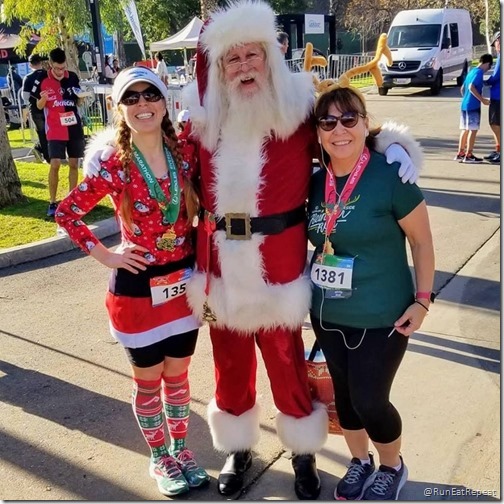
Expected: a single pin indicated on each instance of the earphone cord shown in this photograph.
(338, 330)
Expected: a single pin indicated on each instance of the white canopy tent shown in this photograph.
(187, 38)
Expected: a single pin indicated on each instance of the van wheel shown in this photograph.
(438, 84)
(382, 91)
(462, 77)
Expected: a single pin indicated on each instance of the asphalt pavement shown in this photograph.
(67, 431)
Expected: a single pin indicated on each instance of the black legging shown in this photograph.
(363, 377)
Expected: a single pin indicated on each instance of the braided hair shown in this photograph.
(125, 155)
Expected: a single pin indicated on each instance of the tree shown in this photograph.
(10, 185)
(60, 21)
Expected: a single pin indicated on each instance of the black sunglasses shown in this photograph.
(151, 95)
(348, 120)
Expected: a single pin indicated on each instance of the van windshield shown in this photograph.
(414, 36)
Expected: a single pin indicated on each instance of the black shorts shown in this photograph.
(494, 112)
(179, 346)
(58, 149)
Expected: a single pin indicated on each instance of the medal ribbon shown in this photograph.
(334, 208)
(171, 208)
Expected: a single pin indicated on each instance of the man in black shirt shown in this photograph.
(31, 84)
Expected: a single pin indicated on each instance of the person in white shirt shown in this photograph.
(161, 69)
(110, 73)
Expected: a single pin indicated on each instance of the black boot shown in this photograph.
(231, 477)
(307, 482)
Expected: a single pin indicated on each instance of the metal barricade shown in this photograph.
(337, 64)
(94, 109)
(174, 103)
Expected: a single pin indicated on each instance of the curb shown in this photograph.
(52, 246)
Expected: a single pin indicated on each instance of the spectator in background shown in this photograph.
(31, 85)
(15, 82)
(182, 118)
(110, 73)
(58, 97)
(470, 115)
(115, 65)
(494, 109)
(161, 69)
(283, 42)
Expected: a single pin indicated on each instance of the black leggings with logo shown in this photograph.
(363, 377)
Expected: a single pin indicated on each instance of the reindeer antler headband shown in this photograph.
(382, 49)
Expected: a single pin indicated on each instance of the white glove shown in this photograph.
(92, 162)
(408, 172)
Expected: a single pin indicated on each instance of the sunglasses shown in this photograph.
(348, 120)
(151, 95)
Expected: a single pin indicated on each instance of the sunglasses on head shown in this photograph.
(151, 95)
(348, 120)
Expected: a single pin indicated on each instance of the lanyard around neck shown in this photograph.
(171, 208)
(333, 207)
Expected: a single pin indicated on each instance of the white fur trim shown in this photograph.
(231, 433)
(392, 132)
(306, 434)
(239, 23)
(250, 306)
(99, 142)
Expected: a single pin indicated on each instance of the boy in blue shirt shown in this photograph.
(494, 110)
(470, 110)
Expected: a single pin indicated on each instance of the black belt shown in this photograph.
(240, 226)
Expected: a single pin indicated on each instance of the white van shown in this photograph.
(429, 47)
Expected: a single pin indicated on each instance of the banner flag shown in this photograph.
(130, 10)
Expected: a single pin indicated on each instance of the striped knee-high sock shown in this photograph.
(148, 410)
(176, 399)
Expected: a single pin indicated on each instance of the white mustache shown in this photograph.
(239, 79)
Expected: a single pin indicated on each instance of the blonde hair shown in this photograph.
(125, 154)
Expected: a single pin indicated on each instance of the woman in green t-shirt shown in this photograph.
(364, 305)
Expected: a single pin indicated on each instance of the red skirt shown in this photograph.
(133, 321)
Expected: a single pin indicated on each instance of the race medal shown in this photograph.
(328, 248)
(167, 287)
(333, 274)
(208, 314)
(168, 241)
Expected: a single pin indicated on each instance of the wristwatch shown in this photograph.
(426, 295)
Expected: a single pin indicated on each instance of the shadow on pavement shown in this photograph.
(462, 201)
(482, 358)
(59, 472)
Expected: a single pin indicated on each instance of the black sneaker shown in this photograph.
(472, 159)
(492, 155)
(356, 480)
(495, 159)
(387, 483)
(51, 211)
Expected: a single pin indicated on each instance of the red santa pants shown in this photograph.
(235, 370)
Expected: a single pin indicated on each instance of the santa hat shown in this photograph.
(242, 22)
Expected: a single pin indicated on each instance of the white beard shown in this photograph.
(251, 115)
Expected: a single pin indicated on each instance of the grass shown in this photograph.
(16, 138)
(26, 222)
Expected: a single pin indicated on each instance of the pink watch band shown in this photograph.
(423, 295)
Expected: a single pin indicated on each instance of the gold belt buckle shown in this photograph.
(238, 216)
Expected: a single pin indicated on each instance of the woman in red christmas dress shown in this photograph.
(149, 182)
